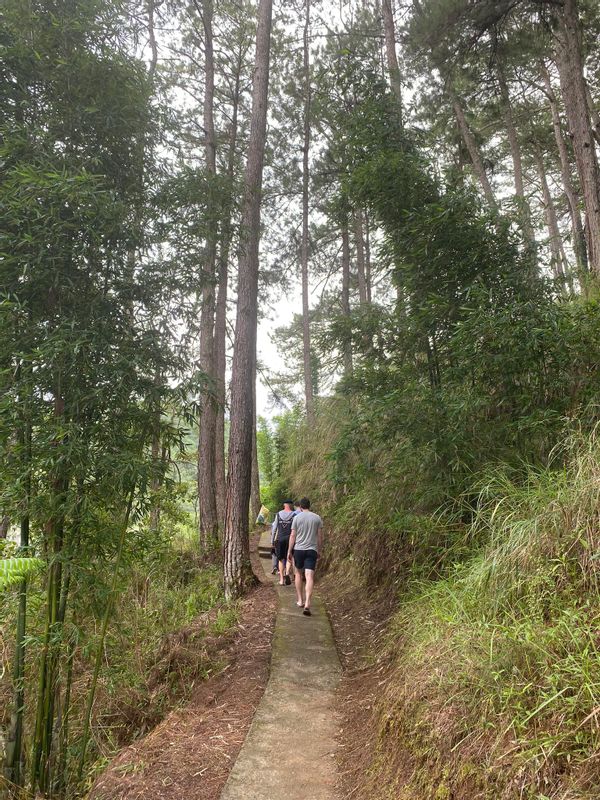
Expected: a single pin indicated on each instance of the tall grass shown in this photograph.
(497, 664)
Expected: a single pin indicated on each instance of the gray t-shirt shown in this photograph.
(307, 526)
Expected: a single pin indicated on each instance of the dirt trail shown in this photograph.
(289, 752)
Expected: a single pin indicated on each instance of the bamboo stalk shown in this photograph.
(107, 614)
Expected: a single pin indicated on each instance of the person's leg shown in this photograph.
(298, 585)
(281, 572)
(310, 582)
(274, 562)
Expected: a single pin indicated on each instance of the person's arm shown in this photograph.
(274, 528)
(292, 538)
(320, 540)
(291, 544)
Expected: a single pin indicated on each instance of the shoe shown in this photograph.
(274, 571)
(306, 612)
(288, 580)
(300, 605)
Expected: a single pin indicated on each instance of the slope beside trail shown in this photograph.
(289, 752)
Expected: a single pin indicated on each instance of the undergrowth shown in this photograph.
(492, 657)
(168, 631)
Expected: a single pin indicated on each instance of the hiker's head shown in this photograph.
(288, 505)
(305, 504)
(296, 503)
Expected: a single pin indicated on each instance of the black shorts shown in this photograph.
(282, 547)
(305, 559)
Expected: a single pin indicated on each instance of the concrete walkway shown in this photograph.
(289, 751)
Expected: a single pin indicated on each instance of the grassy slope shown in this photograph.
(492, 685)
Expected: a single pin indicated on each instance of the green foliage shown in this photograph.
(14, 570)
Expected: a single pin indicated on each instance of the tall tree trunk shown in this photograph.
(236, 558)
(4, 526)
(220, 370)
(559, 267)
(515, 151)
(390, 50)
(368, 257)
(360, 258)
(473, 150)
(157, 461)
(221, 308)
(594, 115)
(255, 503)
(150, 7)
(207, 500)
(308, 383)
(569, 60)
(348, 367)
(579, 241)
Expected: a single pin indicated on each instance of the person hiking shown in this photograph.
(263, 519)
(274, 559)
(281, 531)
(306, 543)
(292, 571)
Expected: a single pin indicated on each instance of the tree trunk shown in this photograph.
(221, 309)
(557, 262)
(368, 257)
(515, 150)
(473, 150)
(4, 526)
(54, 535)
(14, 744)
(579, 242)
(390, 49)
(360, 257)
(236, 557)
(594, 115)
(157, 461)
(308, 383)
(207, 501)
(152, 39)
(348, 367)
(255, 502)
(569, 61)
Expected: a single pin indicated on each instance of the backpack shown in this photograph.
(284, 528)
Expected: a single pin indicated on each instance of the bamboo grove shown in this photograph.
(424, 173)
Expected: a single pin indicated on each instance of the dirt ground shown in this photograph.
(190, 753)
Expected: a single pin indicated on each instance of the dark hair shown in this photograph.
(305, 503)
(288, 502)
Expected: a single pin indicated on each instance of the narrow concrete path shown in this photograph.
(289, 751)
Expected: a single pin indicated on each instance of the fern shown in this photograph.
(13, 570)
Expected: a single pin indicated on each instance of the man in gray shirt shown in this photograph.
(307, 542)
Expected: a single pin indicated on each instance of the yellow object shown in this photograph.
(263, 516)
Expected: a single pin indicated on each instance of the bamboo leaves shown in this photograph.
(14, 570)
